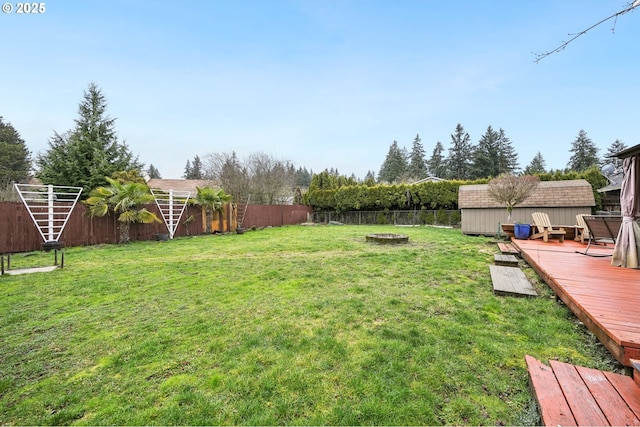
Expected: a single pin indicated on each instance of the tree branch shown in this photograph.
(630, 7)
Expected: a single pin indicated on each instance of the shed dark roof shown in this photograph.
(180, 184)
(556, 194)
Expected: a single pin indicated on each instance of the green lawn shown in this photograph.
(292, 325)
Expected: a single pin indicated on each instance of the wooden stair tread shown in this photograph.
(506, 260)
(508, 248)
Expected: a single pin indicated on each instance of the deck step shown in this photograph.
(510, 281)
(506, 260)
(575, 395)
(508, 248)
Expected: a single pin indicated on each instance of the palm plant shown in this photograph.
(124, 200)
(212, 201)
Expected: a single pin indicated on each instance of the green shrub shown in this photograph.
(426, 217)
(455, 218)
(442, 217)
(381, 218)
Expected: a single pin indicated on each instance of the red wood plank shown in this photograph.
(608, 399)
(628, 390)
(552, 404)
(584, 407)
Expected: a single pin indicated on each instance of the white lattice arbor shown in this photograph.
(49, 206)
(171, 204)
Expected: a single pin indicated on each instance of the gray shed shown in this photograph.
(561, 200)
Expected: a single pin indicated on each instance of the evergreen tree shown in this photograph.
(370, 179)
(153, 172)
(302, 178)
(486, 158)
(15, 158)
(394, 167)
(537, 165)
(437, 164)
(460, 154)
(507, 155)
(585, 153)
(196, 168)
(417, 168)
(609, 158)
(85, 155)
(193, 170)
(187, 170)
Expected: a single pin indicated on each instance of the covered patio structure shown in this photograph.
(627, 249)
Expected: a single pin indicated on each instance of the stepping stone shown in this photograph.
(506, 260)
(510, 281)
(30, 270)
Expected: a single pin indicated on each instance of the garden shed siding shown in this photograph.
(561, 200)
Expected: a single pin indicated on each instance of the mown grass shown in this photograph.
(294, 325)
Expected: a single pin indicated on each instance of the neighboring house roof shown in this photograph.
(555, 194)
(429, 179)
(615, 183)
(632, 151)
(180, 184)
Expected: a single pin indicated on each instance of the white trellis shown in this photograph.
(49, 206)
(171, 204)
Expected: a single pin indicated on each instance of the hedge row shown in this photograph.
(427, 195)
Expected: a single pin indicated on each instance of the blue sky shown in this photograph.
(324, 83)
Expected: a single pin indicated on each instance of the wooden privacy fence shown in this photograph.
(275, 215)
(18, 233)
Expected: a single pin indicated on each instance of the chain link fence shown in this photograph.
(413, 217)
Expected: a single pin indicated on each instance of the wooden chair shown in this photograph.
(545, 229)
(582, 231)
(602, 229)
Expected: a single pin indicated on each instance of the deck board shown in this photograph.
(603, 297)
(576, 395)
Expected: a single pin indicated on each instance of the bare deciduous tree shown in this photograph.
(511, 190)
(267, 179)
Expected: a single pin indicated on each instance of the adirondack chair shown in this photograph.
(602, 229)
(582, 231)
(545, 229)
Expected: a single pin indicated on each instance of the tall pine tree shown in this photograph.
(153, 172)
(193, 170)
(394, 167)
(437, 163)
(507, 155)
(417, 168)
(460, 154)
(486, 159)
(86, 154)
(585, 153)
(615, 147)
(537, 165)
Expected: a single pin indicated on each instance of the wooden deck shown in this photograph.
(605, 298)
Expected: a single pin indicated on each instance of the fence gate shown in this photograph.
(171, 204)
